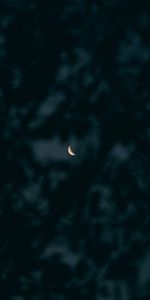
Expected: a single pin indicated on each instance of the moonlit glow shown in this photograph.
(70, 151)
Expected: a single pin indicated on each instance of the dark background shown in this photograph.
(74, 72)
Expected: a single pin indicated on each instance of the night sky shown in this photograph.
(74, 73)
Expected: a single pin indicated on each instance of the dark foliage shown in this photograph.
(74, 72)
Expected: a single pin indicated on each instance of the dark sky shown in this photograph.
(74, 73)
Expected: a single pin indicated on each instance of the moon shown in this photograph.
(70, 151)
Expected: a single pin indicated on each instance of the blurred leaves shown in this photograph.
(74, 73)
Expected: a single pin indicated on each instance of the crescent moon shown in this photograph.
(70, 151)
